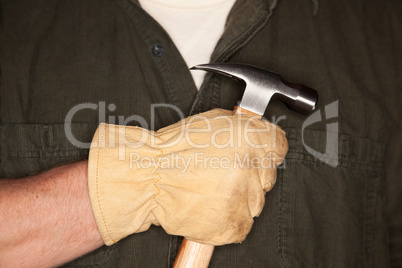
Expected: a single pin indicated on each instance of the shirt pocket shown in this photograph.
(27, 149)
(326, 214)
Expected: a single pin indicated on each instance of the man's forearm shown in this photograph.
(47, 220)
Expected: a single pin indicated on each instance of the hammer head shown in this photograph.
(263, 85)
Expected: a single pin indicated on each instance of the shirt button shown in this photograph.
(157, 51)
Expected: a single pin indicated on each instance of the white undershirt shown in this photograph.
(195, 26)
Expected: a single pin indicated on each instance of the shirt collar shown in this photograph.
(245, 19)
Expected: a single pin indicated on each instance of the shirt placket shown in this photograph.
(244, 21)
(172, 69)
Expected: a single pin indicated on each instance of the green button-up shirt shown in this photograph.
(339, 206)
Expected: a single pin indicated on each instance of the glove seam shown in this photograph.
(158, 134)
(157, 173)
(219, 117)
(97, 190)
(275, 156)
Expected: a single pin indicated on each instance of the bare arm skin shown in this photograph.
(47, 220)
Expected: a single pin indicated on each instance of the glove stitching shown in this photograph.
(97, 189)
(218, 117)
(156, 134)
(275, 154)
(157, 173)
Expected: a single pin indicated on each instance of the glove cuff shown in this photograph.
(121, 196)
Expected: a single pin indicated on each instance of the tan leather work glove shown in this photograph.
(203, 178)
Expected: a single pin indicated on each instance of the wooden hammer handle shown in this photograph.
(193, 255)
(197, 255)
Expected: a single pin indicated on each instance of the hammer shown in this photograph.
(261, 86)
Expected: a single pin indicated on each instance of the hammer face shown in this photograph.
(262, 85)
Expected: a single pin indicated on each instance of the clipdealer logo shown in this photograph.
(330, 156)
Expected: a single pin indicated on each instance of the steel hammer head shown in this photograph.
(263, 85)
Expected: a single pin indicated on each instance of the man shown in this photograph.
(59, 54)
